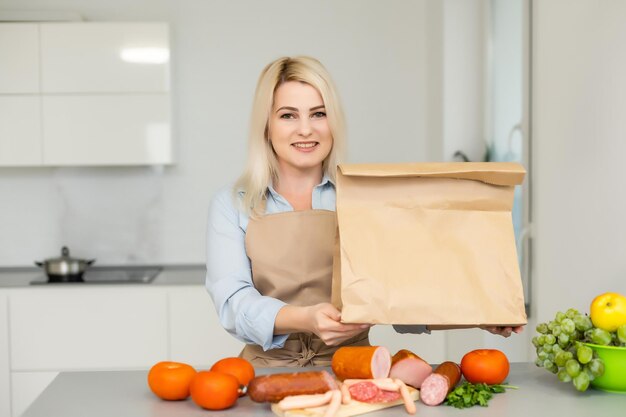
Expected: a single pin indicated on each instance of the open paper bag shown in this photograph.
(428, 243)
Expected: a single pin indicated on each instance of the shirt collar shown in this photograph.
(325, 182)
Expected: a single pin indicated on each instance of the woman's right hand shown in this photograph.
(325, 322)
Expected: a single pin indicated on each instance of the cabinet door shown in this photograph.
(19, 58)
(196, 334)
(5, 381)
(106, 130)
(60, 329)
(20, 130)
(99, 57)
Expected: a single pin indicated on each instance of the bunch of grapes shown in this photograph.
(560, 347)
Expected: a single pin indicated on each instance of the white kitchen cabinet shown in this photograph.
(196, 335)
(103, 57)
(20, 130)
(19, 58)
(65, 328)
(5, 377)
(26, 388)
(106, 129)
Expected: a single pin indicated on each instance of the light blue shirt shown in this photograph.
(242, 310)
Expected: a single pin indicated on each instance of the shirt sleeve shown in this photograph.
(241, 309)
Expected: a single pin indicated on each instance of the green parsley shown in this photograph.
(468, 394)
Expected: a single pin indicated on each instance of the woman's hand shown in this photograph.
(325, 321)
(503, 331)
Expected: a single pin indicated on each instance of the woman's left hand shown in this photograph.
(503, 331)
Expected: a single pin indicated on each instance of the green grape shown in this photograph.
(621, 333)
(560, 316)
(535, 341)
(563, 376)
(572, 367)
(581, 381)
(583, 323)
(568, 326)
(557, 330)
(588, 372)
(576, 335)
(547, 348)
(596, 367)
(571, 313)
(569, 355)
(542, 328)
(556, 349)
(584, 354)
(549, 339)
(563, 340)
(541, 340)
(600, 337)
(542, 354)
(552, 324)
(560, 358)
(548, 364)
(539, 362)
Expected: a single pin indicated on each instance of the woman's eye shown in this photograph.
(287, 116)
(319, 114)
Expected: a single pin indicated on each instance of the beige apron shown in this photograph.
(291, 255)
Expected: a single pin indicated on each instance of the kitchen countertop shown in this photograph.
(125, 393)
(170, 275)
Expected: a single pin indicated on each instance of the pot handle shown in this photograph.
(89, 262)
(40, 264)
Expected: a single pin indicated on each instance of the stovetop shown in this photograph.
(110, 275)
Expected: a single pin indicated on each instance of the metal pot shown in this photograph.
(65, 268)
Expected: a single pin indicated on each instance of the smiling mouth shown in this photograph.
(304, 145)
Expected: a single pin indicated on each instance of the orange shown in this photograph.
(237, 367)
(171, 380)
(214, 390)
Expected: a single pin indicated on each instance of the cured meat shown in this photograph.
(273, 388)
(438, 385)
(361, 362)
(409, 368)
(368, 392)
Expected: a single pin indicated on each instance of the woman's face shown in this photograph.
(298, 127)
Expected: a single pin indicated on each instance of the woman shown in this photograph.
(270, 244)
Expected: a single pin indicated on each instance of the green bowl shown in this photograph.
(614, 377)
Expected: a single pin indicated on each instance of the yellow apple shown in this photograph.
(608, 311)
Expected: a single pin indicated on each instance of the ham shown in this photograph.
(409, 368)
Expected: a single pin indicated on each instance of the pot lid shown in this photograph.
(65, 257)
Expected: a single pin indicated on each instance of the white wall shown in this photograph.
(378, 52)
(579, 143)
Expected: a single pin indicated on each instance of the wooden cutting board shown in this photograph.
(353, 408)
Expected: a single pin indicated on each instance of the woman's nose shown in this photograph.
(304, 127)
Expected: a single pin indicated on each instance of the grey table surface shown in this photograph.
(125, 393)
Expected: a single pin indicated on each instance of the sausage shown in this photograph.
(438, 385)
(361, 362)
(273, 388)
(409, 404)
(305, 401)
(335, 403)
(409, 368)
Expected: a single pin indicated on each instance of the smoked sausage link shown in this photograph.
(438, 385)
(273, 388)
(361, 362)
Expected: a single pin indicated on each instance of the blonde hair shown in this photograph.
(262, 165)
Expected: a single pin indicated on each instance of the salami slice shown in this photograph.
(368, 392)
(363, 391)
(434, 389)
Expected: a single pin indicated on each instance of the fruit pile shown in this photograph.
(561, 347)
(216, 389)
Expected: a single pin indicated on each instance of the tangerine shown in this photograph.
(214, 390)
(237, 367)
(171, 380)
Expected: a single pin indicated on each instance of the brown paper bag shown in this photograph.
(428, 243)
